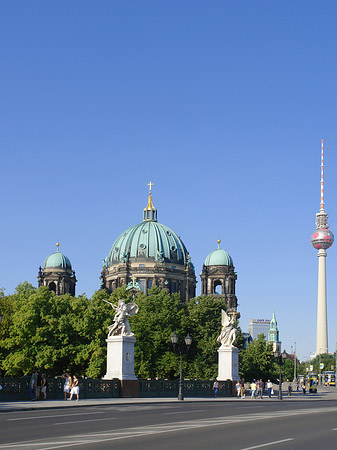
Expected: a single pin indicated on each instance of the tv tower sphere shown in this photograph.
(322, 238)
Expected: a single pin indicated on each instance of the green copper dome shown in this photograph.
(57, 261)
(148, 240)
(218, 258)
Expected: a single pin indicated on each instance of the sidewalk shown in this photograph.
(324, 393)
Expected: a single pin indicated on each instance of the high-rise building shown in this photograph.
(322, 239)
(258, 326)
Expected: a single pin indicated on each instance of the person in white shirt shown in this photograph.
(269, 388)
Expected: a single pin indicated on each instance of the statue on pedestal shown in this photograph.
(228, 333)
(120, 325)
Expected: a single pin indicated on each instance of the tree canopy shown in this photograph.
(58, 333)
(257, 361)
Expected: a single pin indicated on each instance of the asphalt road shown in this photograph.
(237, 425)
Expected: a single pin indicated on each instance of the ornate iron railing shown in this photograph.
(191, 388)
(16, 389)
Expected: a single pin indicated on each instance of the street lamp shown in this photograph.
(280, 357)
(181, 349)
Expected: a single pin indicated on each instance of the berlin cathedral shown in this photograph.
(150, 254)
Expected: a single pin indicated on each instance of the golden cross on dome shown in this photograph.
(150, 184)
(57, 245)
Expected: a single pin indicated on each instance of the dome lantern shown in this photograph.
(150, 212)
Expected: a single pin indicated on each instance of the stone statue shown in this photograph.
(120, 325)
(125, 257)
(229, 332)
(160, 256)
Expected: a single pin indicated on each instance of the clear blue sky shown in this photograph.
(221, 104)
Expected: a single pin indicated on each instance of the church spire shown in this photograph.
(273, 334)
(150, 212)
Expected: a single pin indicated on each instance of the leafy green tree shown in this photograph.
(53, 333)
(160, 314)
(288, 370)
(326, 359)
(257, 361)
(204, 324)
(57, 333)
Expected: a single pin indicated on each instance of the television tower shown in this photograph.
(322, 239)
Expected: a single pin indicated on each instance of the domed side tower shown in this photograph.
(57, 274)
(150, 254)
(322, 239)
(218, 278)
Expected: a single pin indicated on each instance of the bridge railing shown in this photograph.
(16, 389)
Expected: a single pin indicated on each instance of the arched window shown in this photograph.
(217, 287)
(52, 286)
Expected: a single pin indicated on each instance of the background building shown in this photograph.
(273, 334)
(258, 326)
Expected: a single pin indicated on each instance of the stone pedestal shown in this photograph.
(228, 363)
(120, 358)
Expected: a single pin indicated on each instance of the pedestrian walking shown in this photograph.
(289, 390)
(238, 389)
(75, 390)
(269, 388)
(304, 388)
(32, 385)
(260, 385)
(253, 387)
(243, 388)
(38, 385)
(216, 388)
(67, 384)
(44, 386)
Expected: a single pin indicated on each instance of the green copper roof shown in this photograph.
(149, 239)
(273, 322)
(218, 258)
(58, 261)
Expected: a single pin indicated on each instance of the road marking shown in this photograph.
(186, 412)
(134, 408)
(148, 430)
(81, 421)
(268, 443)
(57, 415)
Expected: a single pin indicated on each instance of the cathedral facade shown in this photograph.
(150, 254)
